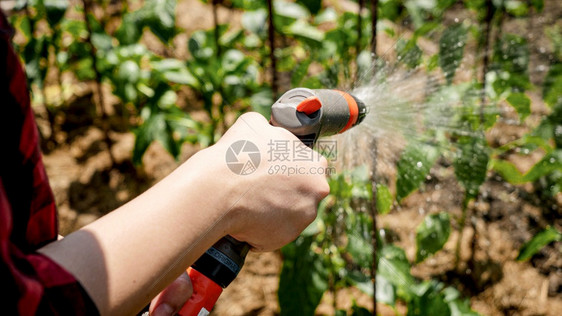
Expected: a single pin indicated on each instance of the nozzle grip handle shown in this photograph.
(205, 295)
(212, 272)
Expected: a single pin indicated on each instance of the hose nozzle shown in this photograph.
(310, 114)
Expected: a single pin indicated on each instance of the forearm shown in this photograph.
(128, 256)
(125, 258)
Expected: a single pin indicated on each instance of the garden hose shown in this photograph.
(307, 113)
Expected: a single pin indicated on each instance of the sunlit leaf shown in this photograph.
(255, 21)
(384, 199)
(395, 268)
(540, 240)
(304, 30)
(414, 165)
(408, 52)
(549, 163)
(508, 171)
(432, 234)
(471, 163)
(552, 86)
(290, 10)
(451, 50)
(521, 103)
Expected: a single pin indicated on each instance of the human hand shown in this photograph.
(173, 297)
(270, 209)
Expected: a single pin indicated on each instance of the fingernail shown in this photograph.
(163, 310)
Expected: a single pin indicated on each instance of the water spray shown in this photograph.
(307, 113)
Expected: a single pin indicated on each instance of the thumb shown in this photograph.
(172, 298)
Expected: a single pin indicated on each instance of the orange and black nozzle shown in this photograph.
(307, 113)
(310, 114)
(213, 272)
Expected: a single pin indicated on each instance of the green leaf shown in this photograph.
(428, 301)
(313, 6)
(290, 10)
(255, 21)
(55, 10)
(360, 311)
(395, 268)
(408, 52)
(516, 8)
(384, 199)
(508, 171)
(451, 50)
(163, 19)
(471, 163)
(511, 61)
(24, 25)
(130, 30)
(156, 126)
(461, 308)
(201, 45)
(358, 231)
(538, 4)
(157, 15)
(540, 240)
(300, 72)
(386, 292)
(431, 235)
(129, 71)
(414, 165)
(549, 163)
(425, 28)
(175, 70)
(304, 30)
(303, 278)
(552, 87)
(521, 103)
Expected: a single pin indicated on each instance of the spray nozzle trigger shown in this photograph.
(309, 105)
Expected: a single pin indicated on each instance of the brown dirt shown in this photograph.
(87, 186)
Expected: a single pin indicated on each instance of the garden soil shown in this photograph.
(88, 185)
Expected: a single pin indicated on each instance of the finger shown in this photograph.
(173, 297)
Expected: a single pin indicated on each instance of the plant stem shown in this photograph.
(486, 60)
(359, 37)
(101, 101)
(374, 20)
(271, 35)
(359, 27)
(374, 233)
(216, 30)
(462, 221)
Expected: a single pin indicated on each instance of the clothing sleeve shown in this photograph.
(31, 283)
